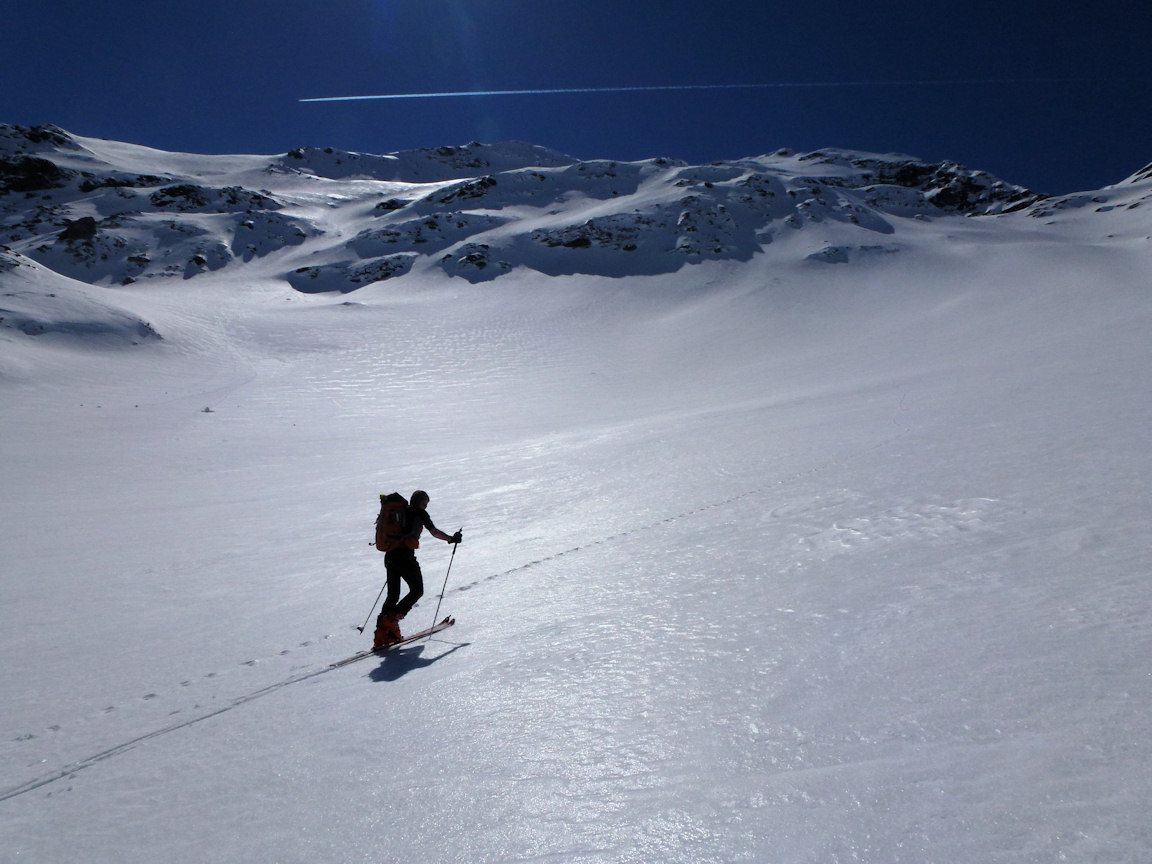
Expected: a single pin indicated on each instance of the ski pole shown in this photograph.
(373, 609)
(444, 587)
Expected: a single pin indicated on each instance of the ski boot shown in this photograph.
(387, 630)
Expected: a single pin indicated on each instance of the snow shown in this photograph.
(767, 557)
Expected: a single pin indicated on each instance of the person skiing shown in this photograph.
(402, 566)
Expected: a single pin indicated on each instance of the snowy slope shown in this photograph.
(36, 301)
(823, 547)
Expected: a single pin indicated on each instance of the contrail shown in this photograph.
(452, 94)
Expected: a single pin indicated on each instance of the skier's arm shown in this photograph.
(440, 535)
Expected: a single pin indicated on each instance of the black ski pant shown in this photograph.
(402, 566)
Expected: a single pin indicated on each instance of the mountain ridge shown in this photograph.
(326, 220)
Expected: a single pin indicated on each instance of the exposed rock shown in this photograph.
(80, 229)
(620, 231)
(344, 277)
(91, 182)
(188, 198)
(391, 205)
(426, 235)
(474, 262)
(31, 174)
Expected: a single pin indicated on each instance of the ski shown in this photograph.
(383, 649)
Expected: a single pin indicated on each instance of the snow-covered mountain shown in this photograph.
(804, 500)
(326, 220)
(330, 221)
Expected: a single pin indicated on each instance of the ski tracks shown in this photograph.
(686, 515)
(199, 713)
(75, 767)
(211, 705)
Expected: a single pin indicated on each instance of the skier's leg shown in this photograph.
(387, 626)
(415, 581)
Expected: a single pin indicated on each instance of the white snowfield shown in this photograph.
(816, 534)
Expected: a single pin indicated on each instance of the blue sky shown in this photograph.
(1056, 96)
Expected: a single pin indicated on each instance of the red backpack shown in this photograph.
(390, 522)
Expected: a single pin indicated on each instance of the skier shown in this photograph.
(401, 565)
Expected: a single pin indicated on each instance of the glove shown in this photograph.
(458, 537)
